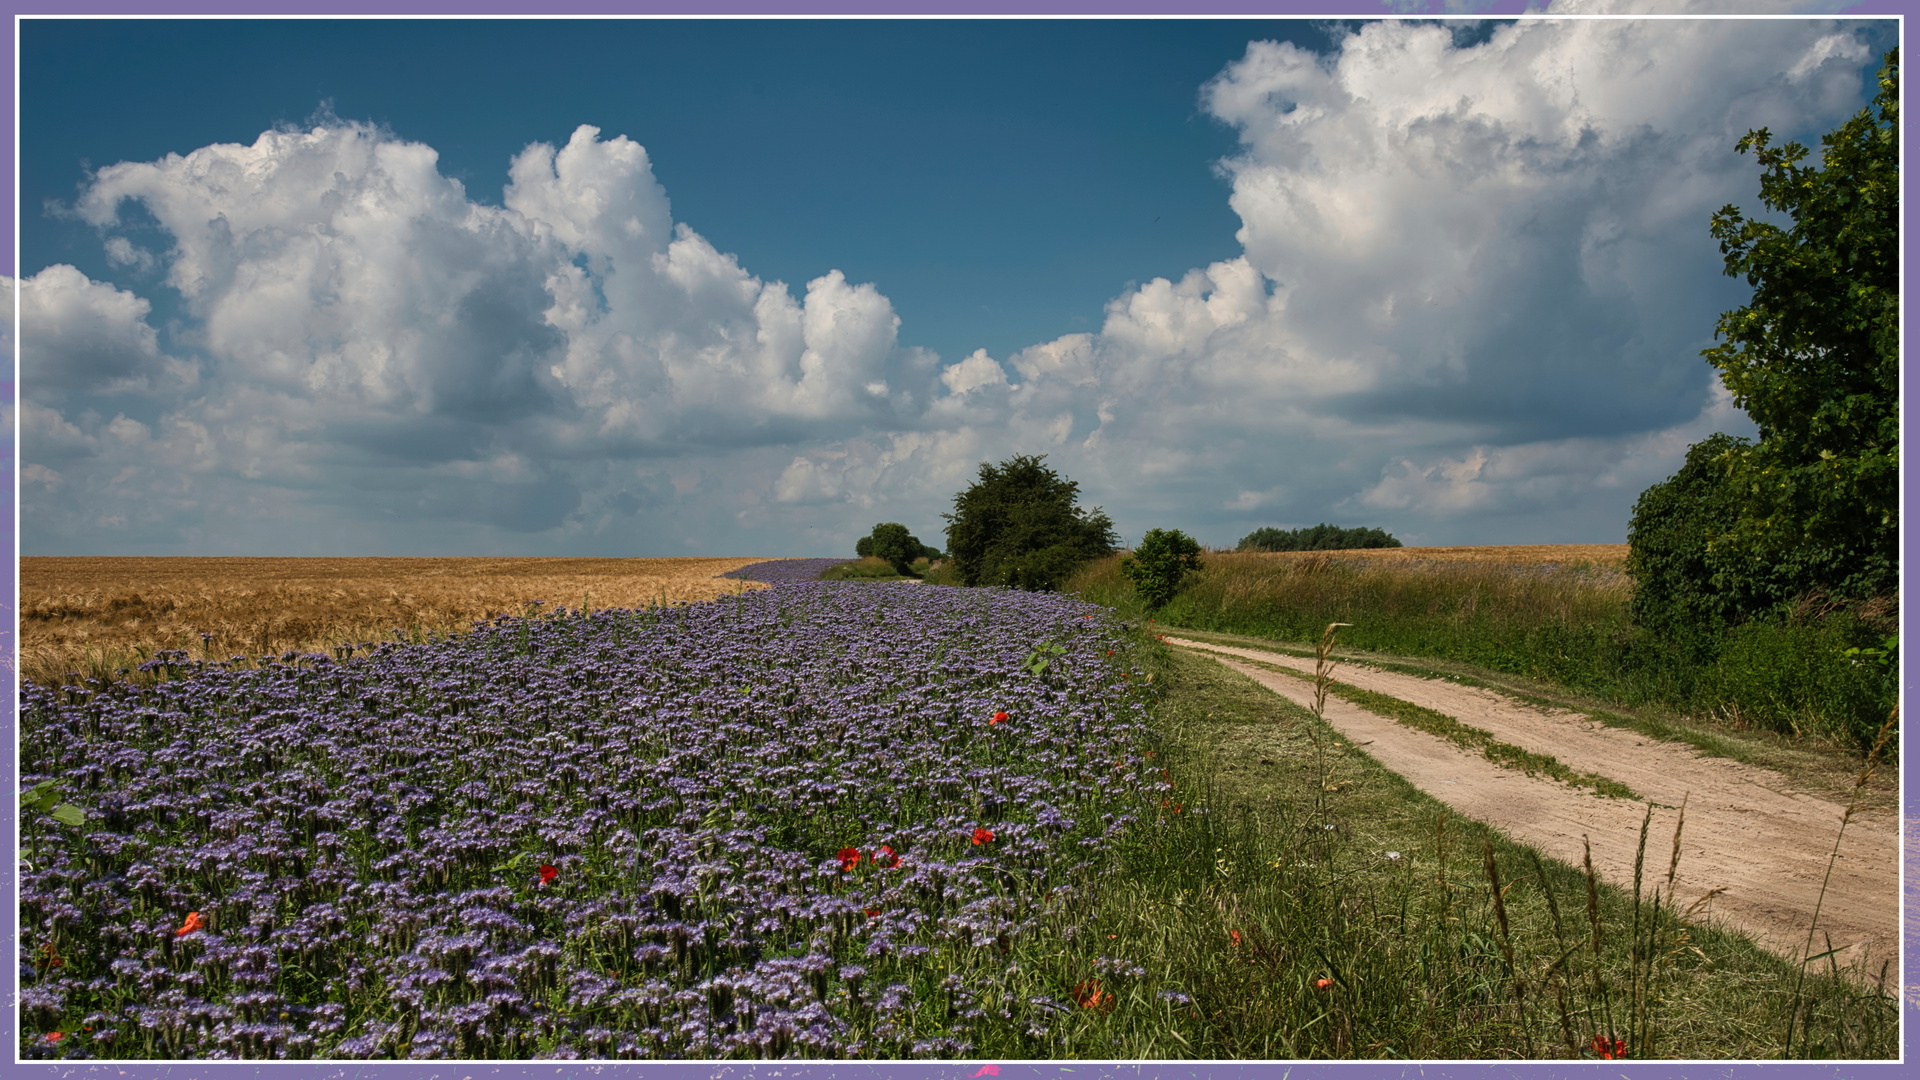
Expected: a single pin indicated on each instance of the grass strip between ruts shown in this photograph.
(1704, 742)
(1463, 735)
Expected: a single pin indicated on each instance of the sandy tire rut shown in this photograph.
(1746, 833)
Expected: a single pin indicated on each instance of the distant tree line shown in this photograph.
(1322, 537)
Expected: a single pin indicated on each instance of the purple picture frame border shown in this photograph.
(914, 1070)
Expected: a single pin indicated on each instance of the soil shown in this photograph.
(1753, 852)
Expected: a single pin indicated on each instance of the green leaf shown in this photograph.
(70, 814)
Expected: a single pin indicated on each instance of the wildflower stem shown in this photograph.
(1873, 760)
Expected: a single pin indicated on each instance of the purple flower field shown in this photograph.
(748, 828)
(784, 571)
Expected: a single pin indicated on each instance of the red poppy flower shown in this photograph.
(192, 924)
(1235, 935)
(885, 859)
(1609, 1048)
(983, 836)
(54, 1036)
(849, 857)
(1109, 652)
(1177, 806)
(547, 874)
(998, 718)
(872, 911)
(1322, 984)
(1089, 995)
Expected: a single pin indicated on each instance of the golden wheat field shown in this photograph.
(98, 615)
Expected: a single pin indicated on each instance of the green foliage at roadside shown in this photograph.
(1671, 556)
(1807, 516)
(1019, 525)
(1814, 359)
(1321, 537)
(874, 569)
(866, 569)
(1164, 557)
(1766, 572)
(1568, 625)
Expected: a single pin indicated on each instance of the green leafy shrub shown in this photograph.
(1670, 539)
(902, 550)
(1019, 525)
(892, 542)
(1157, 566)
(866, 569)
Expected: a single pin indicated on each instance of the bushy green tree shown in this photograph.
(892, 542)
(1019, 525)
(1814, 359)
(863, 547)
(1156, 567)
(1670, 541)
(1321, 537)
(1747, 528)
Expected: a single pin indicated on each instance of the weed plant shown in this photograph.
(1565, 624)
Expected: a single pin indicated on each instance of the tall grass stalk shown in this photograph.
(1593, 919)
(1323, 666)
(1873, 760)
(1506, 943)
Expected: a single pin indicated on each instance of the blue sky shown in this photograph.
(651, 287)
(1024, 170)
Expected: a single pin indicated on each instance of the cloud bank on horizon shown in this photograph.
(1473, 286)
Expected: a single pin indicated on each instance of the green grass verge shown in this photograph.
(867, 569)
(872, 569)
(1294, 899)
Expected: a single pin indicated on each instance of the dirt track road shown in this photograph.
(1746, 832)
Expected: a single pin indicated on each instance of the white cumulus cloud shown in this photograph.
(1473, 284)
